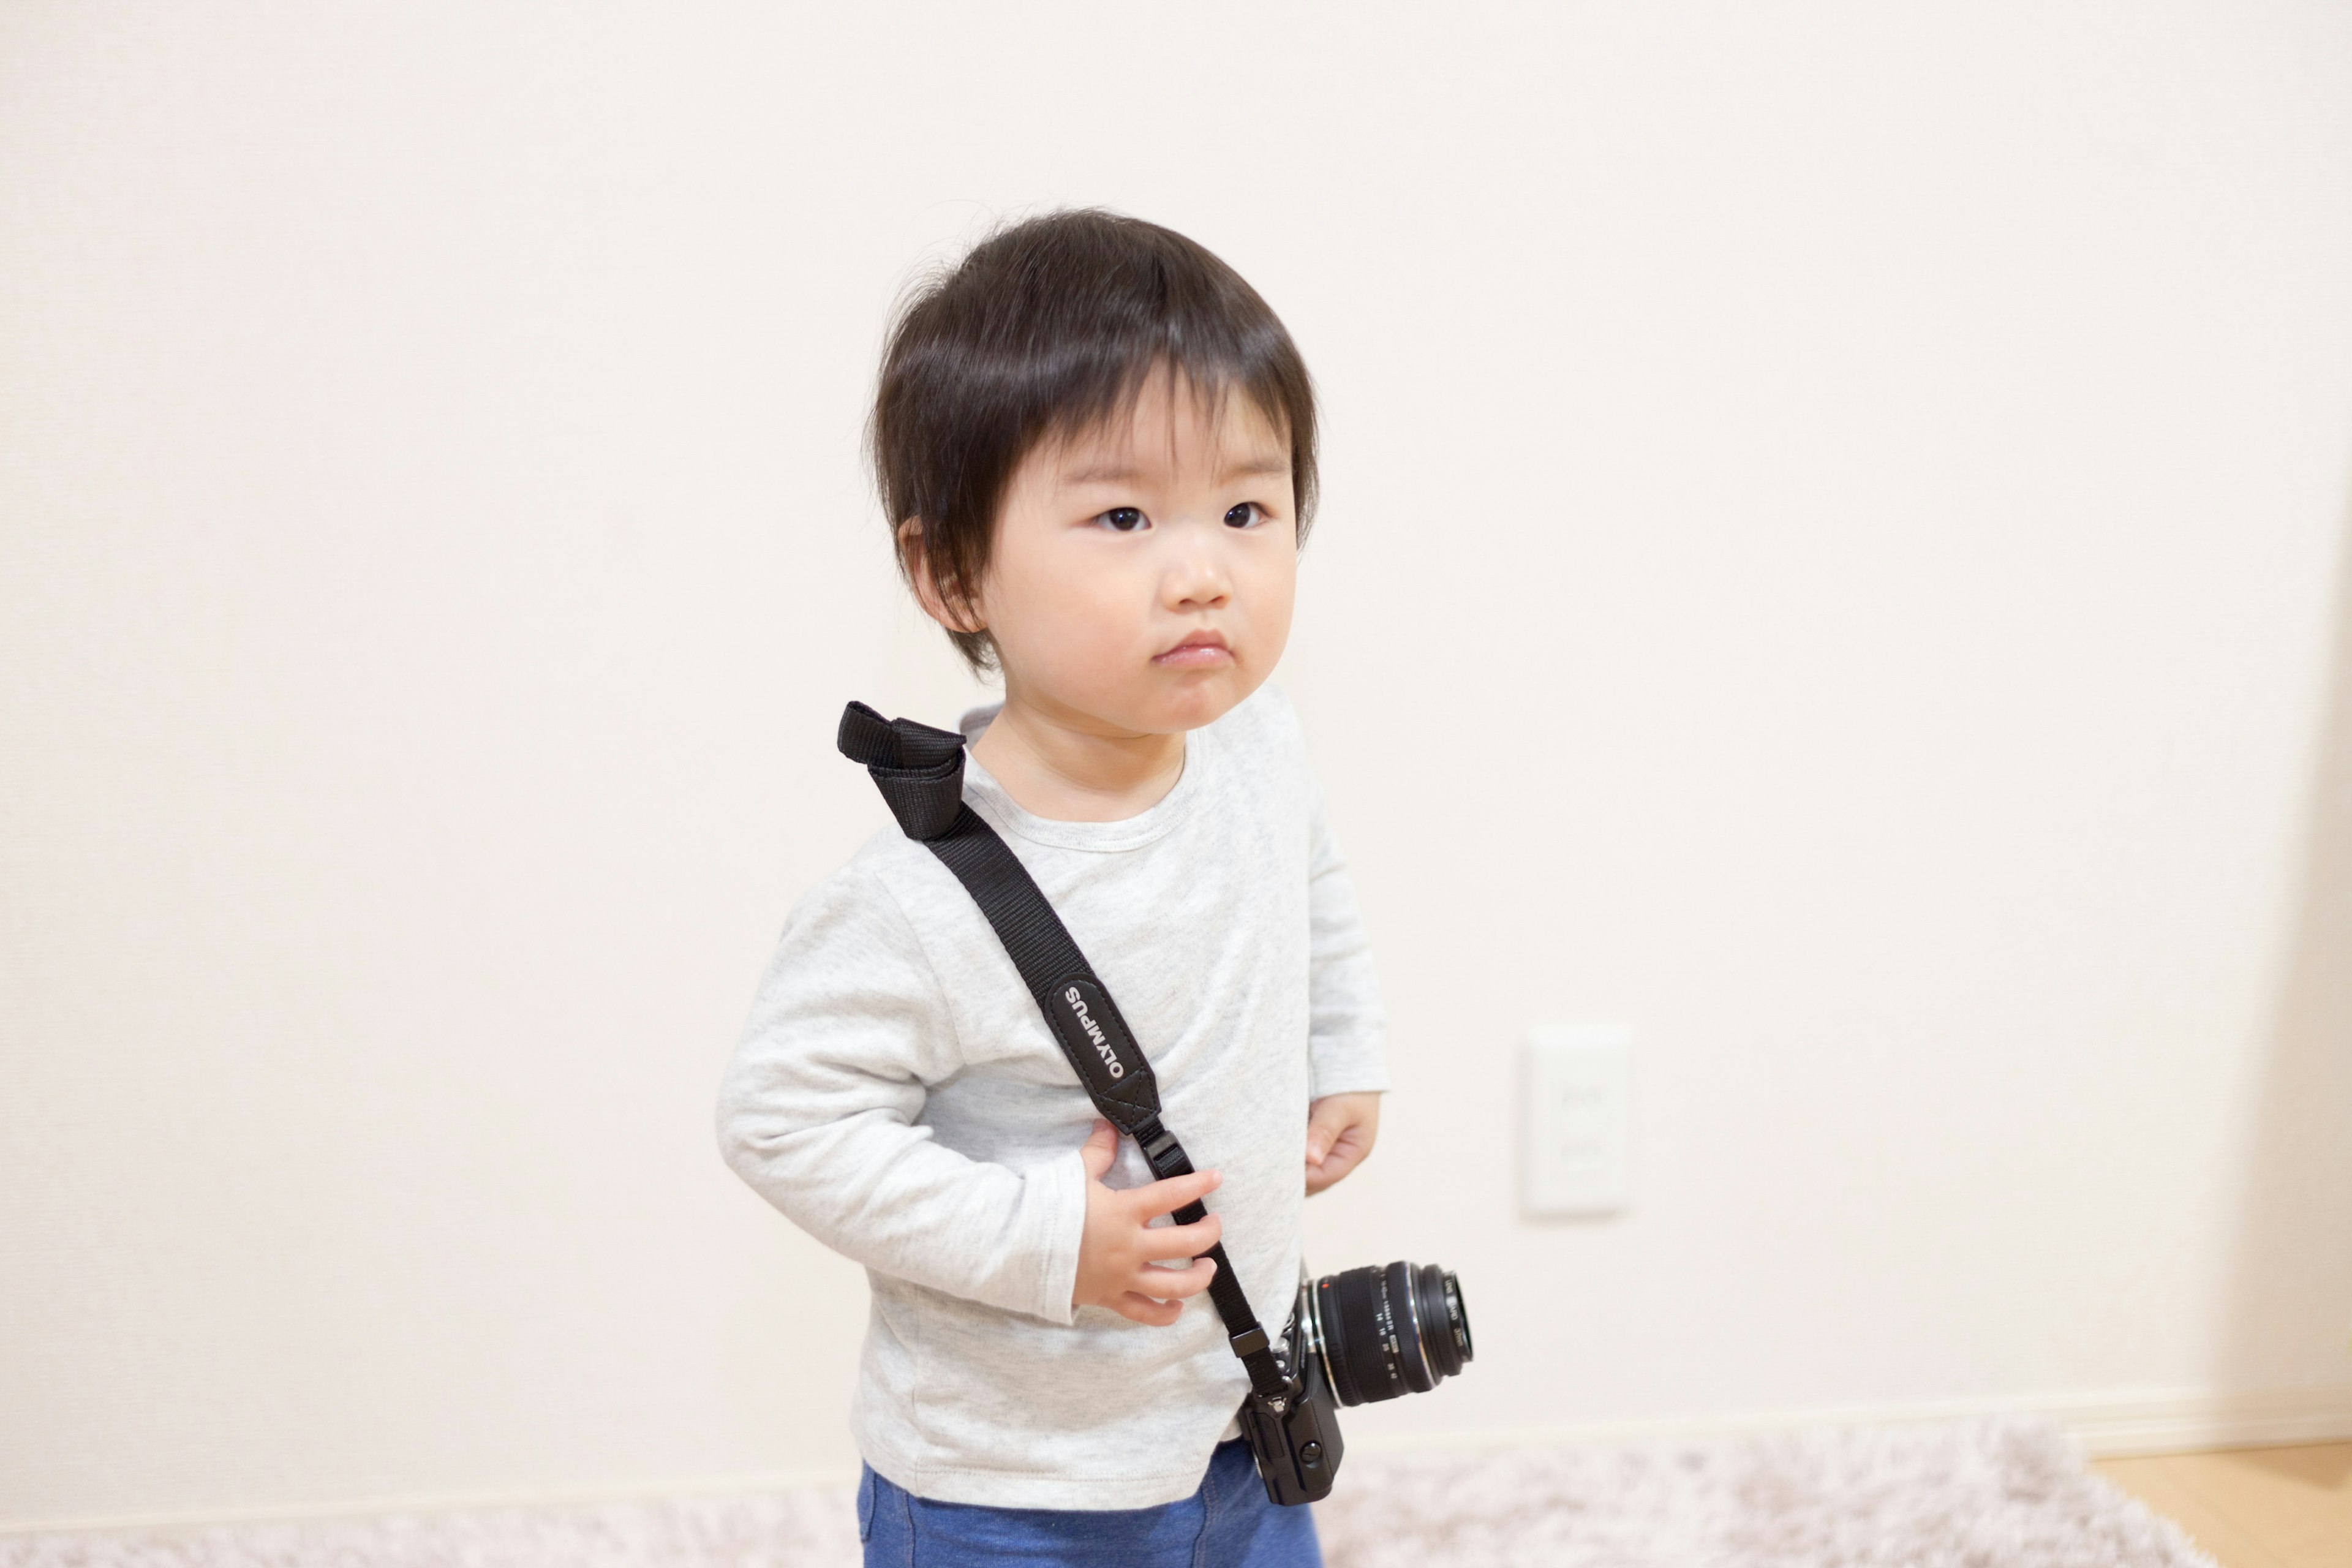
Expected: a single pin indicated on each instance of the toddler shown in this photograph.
(1097, 445)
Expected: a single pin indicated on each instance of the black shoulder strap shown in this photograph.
(919, 771)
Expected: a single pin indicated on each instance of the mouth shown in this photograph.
(1201, 651)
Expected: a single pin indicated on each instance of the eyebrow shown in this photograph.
(1120, 473)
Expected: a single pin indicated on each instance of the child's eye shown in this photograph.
(1124, 519)
(1244, 515)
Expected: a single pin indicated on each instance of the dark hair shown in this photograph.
(1050, 326)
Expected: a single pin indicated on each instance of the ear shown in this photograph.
(958, 615)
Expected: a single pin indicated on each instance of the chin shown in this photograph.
(1203, 702)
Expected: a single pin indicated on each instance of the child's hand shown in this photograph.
(1119, 1251)
(1339, 1132)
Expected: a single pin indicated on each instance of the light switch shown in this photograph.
(1575, 1110)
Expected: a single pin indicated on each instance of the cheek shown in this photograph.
(1070, 615)
(1271, 590)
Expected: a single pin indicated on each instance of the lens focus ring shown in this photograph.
(1387, 1331)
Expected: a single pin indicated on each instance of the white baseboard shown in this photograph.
(2106, 1425)
(2171, 1423)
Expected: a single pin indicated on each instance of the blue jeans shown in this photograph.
(1228, 1523)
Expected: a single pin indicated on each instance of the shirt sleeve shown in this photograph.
(1346, 1027)
(819, 1112)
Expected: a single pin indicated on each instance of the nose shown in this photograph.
(1196, 577)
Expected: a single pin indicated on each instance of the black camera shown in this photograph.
(1368, 1334)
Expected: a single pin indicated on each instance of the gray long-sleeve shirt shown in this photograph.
(898, 1096)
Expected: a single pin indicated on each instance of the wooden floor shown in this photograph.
(2252, 1508)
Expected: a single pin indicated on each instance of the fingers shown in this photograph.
(1340, 1130)
(1144, 1309)
(1171, 1241)
(1347, 1150)
(1100, 1149)
(1337, 1163)
(1160, 1294)
(1323, 1129)
(1337, 1121)
(1175, 1284)
(1167, 1196)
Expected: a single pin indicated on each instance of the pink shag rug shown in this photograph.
(1981, 1495)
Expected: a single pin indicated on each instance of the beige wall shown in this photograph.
(1832, 558)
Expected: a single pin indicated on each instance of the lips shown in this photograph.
(1201, 651)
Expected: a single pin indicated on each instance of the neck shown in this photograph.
(1068, 767)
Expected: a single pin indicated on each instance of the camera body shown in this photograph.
(1297, 1445)
(1365, 1335)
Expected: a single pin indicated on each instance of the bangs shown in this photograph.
(1205, 391)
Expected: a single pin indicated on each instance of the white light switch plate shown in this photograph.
(1575, 1116)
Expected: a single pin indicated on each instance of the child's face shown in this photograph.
(1142, 575)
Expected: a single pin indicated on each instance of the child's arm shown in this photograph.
(1345, 1023)
(819, 1113)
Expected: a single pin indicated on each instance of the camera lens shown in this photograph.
(1388, 1330)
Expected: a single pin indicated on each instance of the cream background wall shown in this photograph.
(1834, 557)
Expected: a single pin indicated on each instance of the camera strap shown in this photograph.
(920, 772)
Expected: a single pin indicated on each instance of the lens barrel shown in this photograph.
(1387, 1331)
